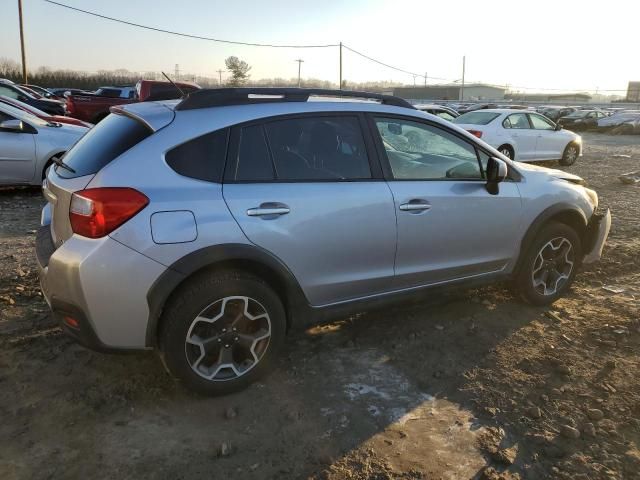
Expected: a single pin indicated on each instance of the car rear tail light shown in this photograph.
(96, 212)
(475, 133)
(69, 106)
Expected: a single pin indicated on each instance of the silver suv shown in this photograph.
(207, 228)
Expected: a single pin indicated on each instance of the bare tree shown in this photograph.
(239, 70)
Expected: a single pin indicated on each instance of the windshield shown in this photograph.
(21, 115)
(477, 118)
(23, 107)
(578, 114)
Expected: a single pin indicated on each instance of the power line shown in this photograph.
(187, 35)
(252, 44)
(382, 63)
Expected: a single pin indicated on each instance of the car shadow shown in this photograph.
(380, 392)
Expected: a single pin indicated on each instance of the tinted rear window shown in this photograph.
(476, 118)
(103, 143)
(202, 158)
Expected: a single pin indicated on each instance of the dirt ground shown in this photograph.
(476, 386)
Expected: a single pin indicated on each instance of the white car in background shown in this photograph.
(523, 135)
(28, 145)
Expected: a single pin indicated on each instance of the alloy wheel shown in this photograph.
(553, 266)
(571, 155)
(228, 338)
(506, 152)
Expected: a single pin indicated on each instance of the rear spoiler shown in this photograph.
(152, 115)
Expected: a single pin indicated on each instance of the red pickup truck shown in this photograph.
(93, 107)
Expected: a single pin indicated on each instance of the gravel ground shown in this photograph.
(476, 386)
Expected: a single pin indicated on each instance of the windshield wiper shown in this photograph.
(60, 163)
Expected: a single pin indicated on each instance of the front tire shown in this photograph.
(222, 331)
(570, 155)
(549, 265)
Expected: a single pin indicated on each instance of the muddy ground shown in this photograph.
(478, 385)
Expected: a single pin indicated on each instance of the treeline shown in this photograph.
(50, 78)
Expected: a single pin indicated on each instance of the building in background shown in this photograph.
(549, 97)
(472, 92)
(633, 92)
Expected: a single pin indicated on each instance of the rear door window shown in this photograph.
(517, 121)
(318, 148)
(323, 148)
(102, 144)
(254, 162)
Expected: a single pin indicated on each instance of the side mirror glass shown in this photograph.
(15, 125)
(497, 171)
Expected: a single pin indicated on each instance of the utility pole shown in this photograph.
(220, 72)
(340, 84)
(24, 57)
(414, 80)
(299, 60)
(425, 79)
(462, 88)
(176, 74)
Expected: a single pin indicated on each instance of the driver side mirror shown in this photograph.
(15, 125)
(558, 127)
(497, 171)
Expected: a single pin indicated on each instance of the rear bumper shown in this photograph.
(597, 233)
(102, 285)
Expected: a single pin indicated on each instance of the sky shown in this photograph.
(534, 45)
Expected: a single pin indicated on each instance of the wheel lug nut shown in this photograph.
(226, 346)
(224, 329)
(219, 340)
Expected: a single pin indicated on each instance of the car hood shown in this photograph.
(66, 130)
(550, 172)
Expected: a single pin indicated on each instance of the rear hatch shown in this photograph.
(99, 147)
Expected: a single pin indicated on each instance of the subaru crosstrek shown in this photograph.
(207, 227)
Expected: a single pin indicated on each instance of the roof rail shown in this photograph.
(218, 97)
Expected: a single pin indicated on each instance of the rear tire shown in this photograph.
(222, 331)
(507, 151)
(548, 267)
(570, 155)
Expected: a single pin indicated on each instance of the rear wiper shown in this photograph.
(60, 163)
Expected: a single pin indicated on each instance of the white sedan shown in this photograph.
(28, 145)
(523, 135)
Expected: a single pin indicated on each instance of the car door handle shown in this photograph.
(414, 207)
(266, 210)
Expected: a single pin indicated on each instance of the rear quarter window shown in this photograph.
(202, 158)
(102, 144)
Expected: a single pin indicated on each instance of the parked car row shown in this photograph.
(616, 120)
(37, 126)
(30, 143)
(93, 107)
